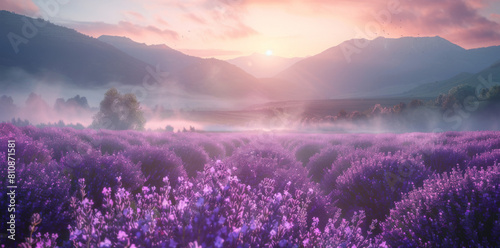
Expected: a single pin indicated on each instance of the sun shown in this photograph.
(269, 52)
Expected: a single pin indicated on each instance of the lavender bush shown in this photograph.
(444, 158)
(304, 152)
(321, 162)
(485, 159)
(101, 171)
(157, 163)
(374, 184)
(100, 188)
(193, 157)
(456, 209)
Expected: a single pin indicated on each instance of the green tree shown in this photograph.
(457, 95)
(119, 112)
(415, 103)
(494, 93)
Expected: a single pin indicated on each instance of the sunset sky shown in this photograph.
(289, 28)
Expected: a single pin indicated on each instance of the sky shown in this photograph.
(289, 28)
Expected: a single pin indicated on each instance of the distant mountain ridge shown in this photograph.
(486, 78)
(386, 66)
(382, 67)
(167, 58)
(59, 54)
(63, 54)
(263, 66)
(191, 74)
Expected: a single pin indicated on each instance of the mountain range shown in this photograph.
(484, 79)
(262, 65)
(385, 66)
(53, 53)
(189, 74)
(379, 67)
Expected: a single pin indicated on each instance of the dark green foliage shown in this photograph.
(456, 96)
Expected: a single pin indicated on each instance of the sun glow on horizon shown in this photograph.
(269, 52)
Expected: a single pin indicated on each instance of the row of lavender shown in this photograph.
(149, 189)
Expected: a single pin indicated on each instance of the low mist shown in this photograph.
(41, 102)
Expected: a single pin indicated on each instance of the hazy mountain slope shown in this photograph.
(192, 75)
(64, 54)
(59, 54)
(387, 66)
(216, 78)
(166, 58)
(487, 78)
(263, 66)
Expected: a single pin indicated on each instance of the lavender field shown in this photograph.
(89, 188)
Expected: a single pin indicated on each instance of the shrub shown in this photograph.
(215, 211)
(304, 152)
(473, 148)
(270, 151)
(339, 166)
(157, 163)
(374, 184)
(61, 145)
(213, 150)
(485, 159)
(101, 171)
(362, 144)
(259, 195)
(456, 209)
(494, 143)
(253, 164)
(119, 112)
(444, 158)
(389, 149)
(193, 157)
(110, 144)
(158, 140)
(41, 188)
(229, 148)
(321, 162)
(9, 130)
(27, 150)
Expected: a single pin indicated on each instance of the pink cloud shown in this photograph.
(136, 15)
(124, 28)
(162, 22)
(220, 19)
(23, 7)
(237, 31)
(459, 21)
(195, 18)
(495, 17)
(207, 53)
